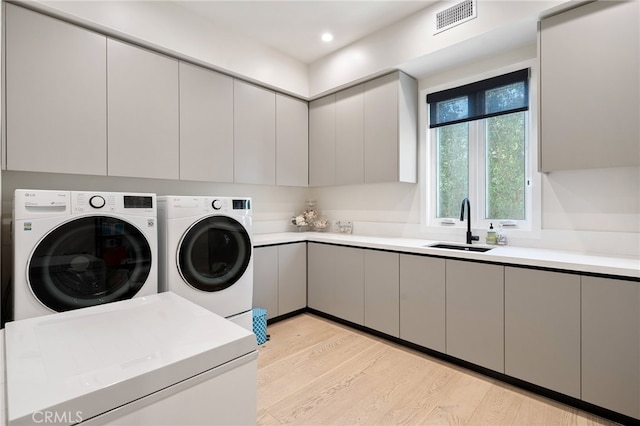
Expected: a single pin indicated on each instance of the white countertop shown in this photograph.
(91, 360)
(555, 259)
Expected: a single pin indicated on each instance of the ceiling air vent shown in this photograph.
(455, 15)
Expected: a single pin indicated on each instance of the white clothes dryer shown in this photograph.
(75, 249)
(206, 252)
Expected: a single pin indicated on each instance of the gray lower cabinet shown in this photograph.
(56, 105)
(382, 291)
(422, 301)
(292, 277)
(280, 278)
(265, 279)
(143, 135)
(336, 281)
(475, 313)
(611, 344)
(542, 328)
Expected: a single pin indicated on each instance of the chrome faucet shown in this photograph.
(470, 236)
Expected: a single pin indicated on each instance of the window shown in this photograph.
(480, 150)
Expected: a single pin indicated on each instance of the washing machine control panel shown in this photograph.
(132, 204)
(97, 202)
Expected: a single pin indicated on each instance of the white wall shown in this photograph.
(411, 45)
(596, 211)
(167, 27)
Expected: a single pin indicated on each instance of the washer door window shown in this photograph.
(214, 253)
(89, 261)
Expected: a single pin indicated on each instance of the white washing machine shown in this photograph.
(154, 360)
(76, 249)
(206, 253)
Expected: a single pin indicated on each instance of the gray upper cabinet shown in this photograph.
(143, 112)
(322, 141)
(590, 91)
(367, 133)
(611, 344)
(255, 134)
(475, 313)
(542, 328)
(56, 107)
(206, 125)
(422, 301)
(292, 141)
(391, 129)
(349, 139)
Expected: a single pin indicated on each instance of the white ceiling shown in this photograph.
(294, 27)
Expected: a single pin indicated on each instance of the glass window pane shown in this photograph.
(452, 168)
(453, 109)
(505, 180)
(511, 96)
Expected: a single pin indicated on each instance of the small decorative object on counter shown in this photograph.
(492, 238)
(501, 237)
(309, 219)
(344, 227)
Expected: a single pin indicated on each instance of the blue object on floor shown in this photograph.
(260, 324)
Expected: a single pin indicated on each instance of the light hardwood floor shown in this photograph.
(317, 372)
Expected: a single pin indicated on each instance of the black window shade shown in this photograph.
(494, 96)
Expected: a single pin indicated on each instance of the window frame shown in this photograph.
(441, 228)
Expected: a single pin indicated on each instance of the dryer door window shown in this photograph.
(89, 261)
(214, 253)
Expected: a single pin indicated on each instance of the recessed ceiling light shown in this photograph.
(327, 37)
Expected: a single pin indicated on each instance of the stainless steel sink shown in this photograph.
(460, 247)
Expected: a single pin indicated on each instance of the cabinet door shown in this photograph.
(321, 277)
(292, 277)
(292, 141)
(390, 129)
(349, 287)
(350, 136)
(322, 141)
(542, 328)
(265, 281)
(57, 100)
(143, 113)
(475, 313)
(254, 114)
(611, 344)
(422, 301)
(590, 91)
(206, 125)
(382, 291)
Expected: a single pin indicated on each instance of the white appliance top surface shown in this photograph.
(94, 359)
